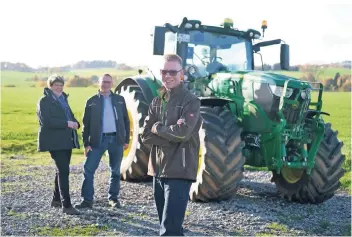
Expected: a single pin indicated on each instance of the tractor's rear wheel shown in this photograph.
(296, 185)
(220, 157)
(134, 166)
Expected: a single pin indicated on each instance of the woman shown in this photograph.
(57, 134)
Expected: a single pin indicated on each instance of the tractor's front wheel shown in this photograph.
(296, 185)
(134, 166)
(221, 161)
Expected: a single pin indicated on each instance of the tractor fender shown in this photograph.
(148, 86)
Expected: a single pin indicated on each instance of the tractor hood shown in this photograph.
(263, 77)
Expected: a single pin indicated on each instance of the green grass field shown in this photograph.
(325, 73)
(19, 123)
(20, 78)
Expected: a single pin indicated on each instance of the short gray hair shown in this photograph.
(55, 78)
(173, 58)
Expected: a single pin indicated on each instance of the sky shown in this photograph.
(61, 32)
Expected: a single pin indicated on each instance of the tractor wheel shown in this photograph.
(221, 161)
(134, 166)
(296, 185)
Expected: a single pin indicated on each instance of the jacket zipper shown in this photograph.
(117, 124)
(184, 157)
(116, 117)
(162, 110)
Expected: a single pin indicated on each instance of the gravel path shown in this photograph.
(255, 210)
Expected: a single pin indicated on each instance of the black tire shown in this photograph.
(221, 159)
(134, 166)
(324, 179)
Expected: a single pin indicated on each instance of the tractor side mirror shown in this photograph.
(285, 57)
(159, 40)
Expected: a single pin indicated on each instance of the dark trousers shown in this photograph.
(62, 160)
(171, 198)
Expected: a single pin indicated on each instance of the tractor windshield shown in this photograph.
(213, 53)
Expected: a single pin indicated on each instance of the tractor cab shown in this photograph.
(207, 50)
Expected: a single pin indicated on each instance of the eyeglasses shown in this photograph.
(170, 72)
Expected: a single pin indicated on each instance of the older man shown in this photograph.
(105, 128)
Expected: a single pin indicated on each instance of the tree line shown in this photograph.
(22, 67)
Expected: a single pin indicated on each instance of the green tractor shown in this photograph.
(249, 117)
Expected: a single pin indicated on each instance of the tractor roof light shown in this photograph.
(264, 26)
(228, 23)
(188, 26)
(253, 34)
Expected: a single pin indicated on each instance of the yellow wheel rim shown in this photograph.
(125, 152)
(201, 154)
(200, 158)
(291, 175)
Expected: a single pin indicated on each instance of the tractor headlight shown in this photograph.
(305, 94)
(278, 90)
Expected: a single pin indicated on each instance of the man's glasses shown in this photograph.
(170, 72)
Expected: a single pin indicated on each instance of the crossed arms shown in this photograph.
(156, 133)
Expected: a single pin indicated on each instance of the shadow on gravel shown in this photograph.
(333, 217)
(124, 220)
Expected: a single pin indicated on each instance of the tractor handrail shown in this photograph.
(281, 104)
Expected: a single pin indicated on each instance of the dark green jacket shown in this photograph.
(175, 148)
(92, 120)
(54, 133)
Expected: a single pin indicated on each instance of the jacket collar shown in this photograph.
(99, 94)
(165, 94)
(48, 92)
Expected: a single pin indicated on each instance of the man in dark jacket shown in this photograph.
(58, 135)
(106, 127)
(172, 128)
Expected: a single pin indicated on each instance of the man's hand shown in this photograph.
(180, 121)
(86, 149)
(125, 146)
(153, 130)
(73, 125)
(70, 124)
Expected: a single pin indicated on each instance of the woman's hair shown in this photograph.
(55, 78)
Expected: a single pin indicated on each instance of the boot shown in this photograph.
(85, 204)
(115, 203)
(70, 211)
(56, 203)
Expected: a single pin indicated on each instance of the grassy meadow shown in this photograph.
(323, 73)
(19, 123)
(22, 78)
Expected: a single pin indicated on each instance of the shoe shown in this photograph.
(115, 203)
(85, 204)
(55, 203)
(70, 211)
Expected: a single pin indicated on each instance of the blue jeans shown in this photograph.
(171, 198)
(92, 162)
